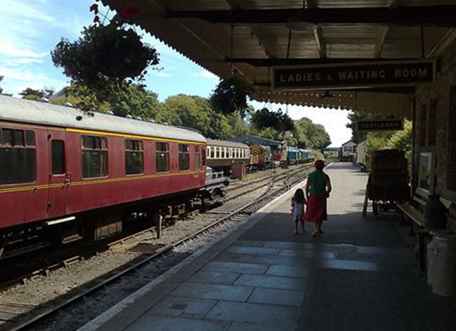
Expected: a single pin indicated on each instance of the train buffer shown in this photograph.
(263, 277)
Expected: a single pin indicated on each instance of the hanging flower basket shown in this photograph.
(111, 52)
(231, 94)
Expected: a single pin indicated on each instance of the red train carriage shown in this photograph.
(58, 165)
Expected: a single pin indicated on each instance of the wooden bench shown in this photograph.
(409, 212)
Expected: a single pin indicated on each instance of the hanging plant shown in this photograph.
(105, 53)
(231, 94)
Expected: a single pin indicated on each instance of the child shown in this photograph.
(297, 209)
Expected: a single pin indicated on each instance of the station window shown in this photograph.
(184, 157)
(212, 150)
(217, 152)
(197, 157)
(134, 157)
(162, 156)
(94, 156)
(17, 156)
(58, 157)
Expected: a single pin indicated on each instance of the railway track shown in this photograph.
(17, 316)
(277, 176)
(35, 267)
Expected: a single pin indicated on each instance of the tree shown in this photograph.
(1, 90)
(33, 94)
(230, 96)
(278, 120)
(105, 55)
(133, 100)
(81, 97)
(106, 64)
(311, 135)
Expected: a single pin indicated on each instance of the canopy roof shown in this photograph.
(251, 36)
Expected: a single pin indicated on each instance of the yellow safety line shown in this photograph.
(95, 181)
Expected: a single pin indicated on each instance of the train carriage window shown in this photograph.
(17, 156)
(94, 156)
(134, 157)
(203, 155)
(58, 157)
(197, 158)
(184, 157)
(162, 156)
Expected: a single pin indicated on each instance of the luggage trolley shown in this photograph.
(388, 180)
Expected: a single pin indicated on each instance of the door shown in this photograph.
(59, 178)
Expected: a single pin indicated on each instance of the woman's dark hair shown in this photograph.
(299, 196)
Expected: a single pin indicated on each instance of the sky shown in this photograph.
(31, 29)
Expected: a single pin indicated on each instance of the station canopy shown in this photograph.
(365, 55)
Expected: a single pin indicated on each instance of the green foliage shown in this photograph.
(311, 135)
(278, 120)
(36, 95)
(105, 55)
(134, 100)
(230, 96)
(131, 100)
(401, 140)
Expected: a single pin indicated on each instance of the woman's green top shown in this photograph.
(317, 181)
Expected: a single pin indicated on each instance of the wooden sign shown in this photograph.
(380, 125)
(370, 74)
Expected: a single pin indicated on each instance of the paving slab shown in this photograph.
(243, 326)
(289, 271)
(256, 313)
(184, 307)
(211, 291)
(157, 323)
(244, 268)
(215, 277)
(266, 260)
(253, 250)
(272, 282)
(277, 297)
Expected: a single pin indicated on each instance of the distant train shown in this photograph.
(230, 157)
(298, 155)
(347, 152)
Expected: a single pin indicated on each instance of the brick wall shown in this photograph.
(437, 99)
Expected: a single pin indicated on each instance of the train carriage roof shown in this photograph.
(225, 143)
(41, 113)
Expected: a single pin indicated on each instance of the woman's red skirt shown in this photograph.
(316, 211)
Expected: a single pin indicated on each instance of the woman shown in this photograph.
(318, 187)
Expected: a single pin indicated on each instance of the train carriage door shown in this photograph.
(59, 178)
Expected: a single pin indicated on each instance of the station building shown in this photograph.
(389, 57)
(392, 58)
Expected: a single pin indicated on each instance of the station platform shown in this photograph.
(360, 275)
